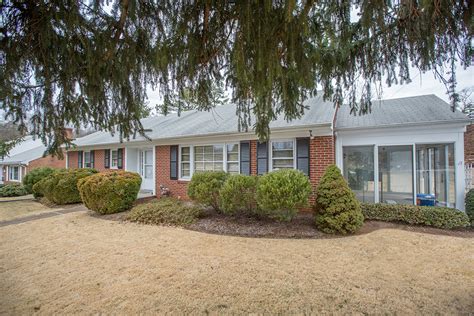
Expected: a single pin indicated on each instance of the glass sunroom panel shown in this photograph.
(396, 174)
(435, 173)
(358, 169)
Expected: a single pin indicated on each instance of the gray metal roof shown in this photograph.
(424, 109)
(25, 156)
(220, 120)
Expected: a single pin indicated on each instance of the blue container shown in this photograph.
(425, 199)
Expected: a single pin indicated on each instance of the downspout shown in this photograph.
(333, 129)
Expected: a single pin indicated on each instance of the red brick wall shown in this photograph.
(177, 188)
(469, 144)
(48, 161)
(253, 157)
(321, 152)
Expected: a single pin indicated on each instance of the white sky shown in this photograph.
(421, 84)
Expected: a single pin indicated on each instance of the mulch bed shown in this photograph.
(302, 226)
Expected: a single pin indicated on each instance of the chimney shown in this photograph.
(69, 133)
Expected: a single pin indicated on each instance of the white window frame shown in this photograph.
(270, 153)
(10, 174)
(112, 166)
(232, 161)
(192, 161)
(84, 159)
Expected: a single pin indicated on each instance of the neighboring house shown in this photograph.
(24, 157)
(403, 148)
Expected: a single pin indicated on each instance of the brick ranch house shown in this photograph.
(403, 148)
(26, 156)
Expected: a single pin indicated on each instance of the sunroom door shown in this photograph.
(146, 169)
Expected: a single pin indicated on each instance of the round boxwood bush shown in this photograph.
(110, 192)
(238, 194)
(337, 209)
(281, 193)
(470, 205)
(204, 187)
(61, 187)
(34, 176)
(13, 189)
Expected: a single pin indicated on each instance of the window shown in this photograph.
(396, 174)
(146, 164)
(14, 173)
(185, 162)
(209, 158)
(283, 155)
(358, 167)
(114, 154)
(233, 158)
(435, 174)
(87, 159)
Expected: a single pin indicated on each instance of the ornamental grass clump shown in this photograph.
(238, 195)
(281, 193)
(204, 187)
(165, 211)
(337, 211)
(110, 192)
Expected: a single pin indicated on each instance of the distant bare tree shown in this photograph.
(466, 104)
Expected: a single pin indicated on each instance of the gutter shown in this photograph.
(466, 122)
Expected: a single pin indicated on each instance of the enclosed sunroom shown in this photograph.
(406, 151)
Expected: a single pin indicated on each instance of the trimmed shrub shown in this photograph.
(13, 189)
(238, 194)
(281, 193)
(61, 187)
(204, 187)
(337, 211)
(440, 217)
(167, 211)
(34, 176)
(470, 205)
(109, 192)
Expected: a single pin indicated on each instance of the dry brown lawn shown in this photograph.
(76, 263)
(12, 210)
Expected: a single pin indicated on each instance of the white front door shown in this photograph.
(146, 169)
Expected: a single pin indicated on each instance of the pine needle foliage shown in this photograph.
(89, 62)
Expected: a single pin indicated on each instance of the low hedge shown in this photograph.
(61, 187)
(281, 193)
(238, 195)
(109, 192)
(204, 187)
(470, 205)
(13, 189)
(168, 211)
(34, 176)
(440, 217)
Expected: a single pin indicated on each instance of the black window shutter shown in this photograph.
(262, 158)
(107, 158)
(245, 157)
(302, 155)
(79, 159)
(92, 159)
(174, 162)
(120, 158)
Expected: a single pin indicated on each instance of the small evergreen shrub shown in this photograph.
(470, 205)
(168, 211)
(13, 189)
(204, 187)
(238, 194)
(109, 192)
(34, 176)
(39, 188)
(61, 187)
(440, 217)
(337, 210)
(281, 193)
